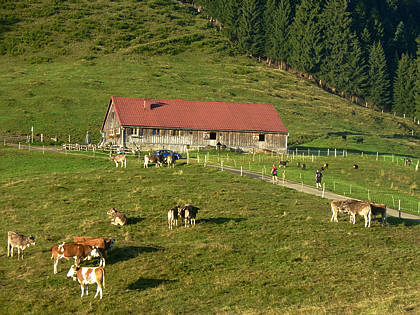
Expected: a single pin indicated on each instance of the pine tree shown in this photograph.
(379, 84)
(306, 40)
(269, 16)
(281, 33)
(251, 36)
(231, 21)
(404, 87)
(417, 86)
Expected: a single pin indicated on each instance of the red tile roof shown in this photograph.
(197, 115)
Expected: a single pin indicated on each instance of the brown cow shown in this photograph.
(104, 245)
(337, 206)
(119, 158)
(361, 208)
(118, 218)
(151, 158)
(88, 275)
(18, 240)
(79, 252)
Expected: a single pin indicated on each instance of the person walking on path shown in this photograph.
(318, 179)
(274, 172)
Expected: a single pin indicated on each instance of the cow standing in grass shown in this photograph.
(189, 214)
(119, 158)
(88, 275)
(79, 252)
(18, 240)
(173, 217)
(151, 158)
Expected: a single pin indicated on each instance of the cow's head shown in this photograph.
(72, 272)
(94, 252)
(111, 243)
(112, 211)
(31, 240)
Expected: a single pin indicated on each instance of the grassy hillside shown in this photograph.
(62, 60)
(256, 248)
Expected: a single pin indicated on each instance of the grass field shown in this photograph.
(256, 248)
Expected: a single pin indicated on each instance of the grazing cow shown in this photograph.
(361, 208)
(117, 217)
(79, 252)
(303, 166)
(324, 167)
(170, 160)
(18, 240)
(355, 166)
(173, 217)
(119, 158)
(337, 206)
(102, 244)
(407, 162)
(283, 163)
(190, 213)
(359, 140)
(88, 275)
(151, 158)
(379, 208)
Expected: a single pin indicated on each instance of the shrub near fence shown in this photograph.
(360, 189)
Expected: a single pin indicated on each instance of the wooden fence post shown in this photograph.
(221, 164)
(323, 189)
(262, 173)
(399, 208)
(19, 146)
(241, 171)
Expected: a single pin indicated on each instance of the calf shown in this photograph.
(119, 158)
(170, 160)
(88, 275)
(190, 213)
(151, 158)
(378, 208)
(173, 217)
(117, 217)
(407, 162)
(361, 208)
(18, 240)
(338, 206)
(79, 252)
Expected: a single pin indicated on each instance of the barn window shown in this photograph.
(156, 132)
(261, 137)
(212, 136)
(175, 132)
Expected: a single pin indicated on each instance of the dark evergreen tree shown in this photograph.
(251, 32)
(417, 86)
(379, 84)
(404, 86)
(231, 21)
(281, 33)
(305, 37)
(269, 17)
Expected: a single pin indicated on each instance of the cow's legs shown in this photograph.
(8, 248)
(83, 290)
(99, 290)
(11, 249)
(116, 163)
(87, 290)
(55, 265)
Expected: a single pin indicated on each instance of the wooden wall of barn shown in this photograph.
(147, 139)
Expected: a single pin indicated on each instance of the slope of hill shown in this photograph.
(62, 60)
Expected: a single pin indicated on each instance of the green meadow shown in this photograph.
(256, 248)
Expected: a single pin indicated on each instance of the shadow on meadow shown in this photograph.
(220, 220)
(144, 284)
(405, 222)
(134, 220)
(128, 252)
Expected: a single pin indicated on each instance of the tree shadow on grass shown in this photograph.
(405, 222)
(128, 252)
(144, 284)
(220, 220)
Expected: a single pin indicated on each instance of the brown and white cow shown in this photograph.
(79, 252)
(173, 217)
(18, 240)
(104, 245)
(117, 217)
(119, 158)
(170, 160)
(151, 158)
(379, 208)
(88, 275)
(337, 206)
